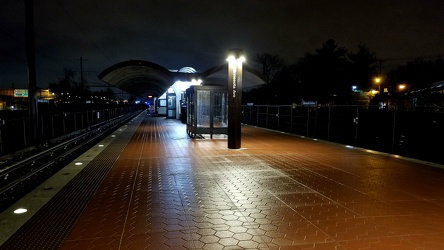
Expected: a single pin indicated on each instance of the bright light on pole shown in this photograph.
(401, 87)
(235, 59)
(378, 81)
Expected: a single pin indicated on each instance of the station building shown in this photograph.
(164, 88)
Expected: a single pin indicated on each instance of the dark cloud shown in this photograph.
(179, 33)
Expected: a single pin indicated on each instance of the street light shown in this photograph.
(378, 81)
(401, 87)
(235, 59)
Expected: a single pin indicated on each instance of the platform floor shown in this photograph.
(153, 187)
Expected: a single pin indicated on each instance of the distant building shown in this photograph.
(17, 99)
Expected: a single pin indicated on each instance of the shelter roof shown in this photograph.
(141, 78)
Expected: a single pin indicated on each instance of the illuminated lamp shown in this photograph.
(235, 59)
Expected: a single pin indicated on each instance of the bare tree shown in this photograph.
(271, 65)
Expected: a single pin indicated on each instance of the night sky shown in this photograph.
(176, 33)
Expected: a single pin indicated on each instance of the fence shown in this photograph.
(415, 134)
(16, 134)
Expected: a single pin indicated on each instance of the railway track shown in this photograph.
(19, 177)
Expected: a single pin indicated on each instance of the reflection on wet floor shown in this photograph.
(167, 191)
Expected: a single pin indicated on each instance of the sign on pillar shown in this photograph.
(235, 60)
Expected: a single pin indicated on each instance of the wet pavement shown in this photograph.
(165, 190)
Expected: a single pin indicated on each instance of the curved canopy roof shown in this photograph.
(141, 78)
(219, 76)
(138, 78)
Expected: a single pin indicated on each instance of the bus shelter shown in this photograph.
(207, 110)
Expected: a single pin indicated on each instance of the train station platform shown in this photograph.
(150, 186)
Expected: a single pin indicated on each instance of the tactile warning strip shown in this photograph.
(50, 225)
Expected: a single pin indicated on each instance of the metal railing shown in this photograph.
(16, 134)
(398, 131)
(25, 173)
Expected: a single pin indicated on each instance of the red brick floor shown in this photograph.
(167, 191)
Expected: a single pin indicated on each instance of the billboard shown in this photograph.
(20, 92)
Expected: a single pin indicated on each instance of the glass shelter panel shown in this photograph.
(190, 108)
(203, 108)
(220, 110)
(207, 111)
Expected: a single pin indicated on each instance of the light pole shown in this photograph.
(378, 81)
(32, 82)
(401, 87)
(235, 60)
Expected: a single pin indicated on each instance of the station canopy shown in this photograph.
(142, 78)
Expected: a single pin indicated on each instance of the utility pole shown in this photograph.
(83, 93)
(82, 78)
(380, 67)
(81, 72)
(32, 85)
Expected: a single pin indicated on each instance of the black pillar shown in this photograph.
(32, 85)
(235, 60)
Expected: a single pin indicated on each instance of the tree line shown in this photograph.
(328, 74)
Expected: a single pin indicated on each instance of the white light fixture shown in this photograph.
(196, 82)
(20, 210)
(232, 58)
